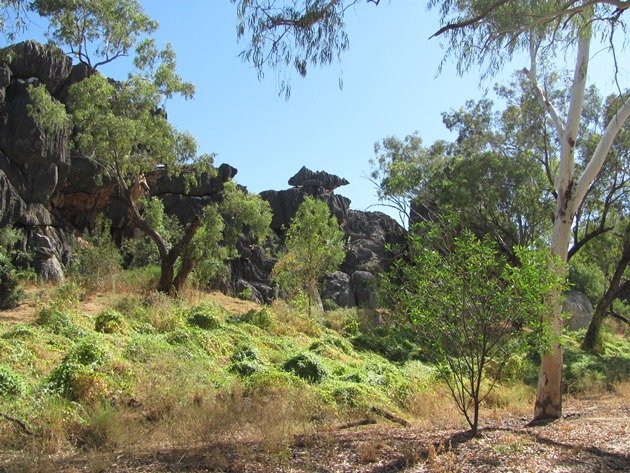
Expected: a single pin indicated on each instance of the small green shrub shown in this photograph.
(306, 366)
(204, 317)
(77, 382)
(109, 321)
(68, 294)
(77, 378)
(246, 367)
(87, 352)
(54, 318)
(244, 353)
(246, 361)
(389, 342)
(338, 343)
(262, 318)
(271, 381)
(19, 331)
(179, 337)
(246, 294)
(10, 293)
(97, 264)
(11, 384)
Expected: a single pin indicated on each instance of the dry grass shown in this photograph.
(371, 451)
(291, 322)
(193, 296)
(623, 389)
(434, 407)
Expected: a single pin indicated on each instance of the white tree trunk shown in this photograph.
(549, 395)
(570, 196)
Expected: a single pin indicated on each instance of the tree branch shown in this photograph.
(470, 21)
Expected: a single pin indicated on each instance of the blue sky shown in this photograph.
(389, 80)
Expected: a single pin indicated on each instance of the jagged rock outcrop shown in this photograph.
(32, 159)
(368, 234)
(30, 59)
(49, 191)
(306, 178)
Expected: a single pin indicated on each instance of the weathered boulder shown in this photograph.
(285, 203)
(253, 266)
(22, 140)
(578, 309)
(32, 59)
(364, 287)
(337, 289)
(49, 269)
(306, 177)
(11, 204)
(369, 234)
(247, 291)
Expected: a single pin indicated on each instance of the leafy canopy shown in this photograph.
(96, 32)
(314, 247)
(469, 307)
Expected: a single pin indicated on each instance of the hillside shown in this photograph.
(127, 380)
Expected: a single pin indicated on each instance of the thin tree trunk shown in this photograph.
(183, 273)
(166, 283)
(615, 289)
(594, 327)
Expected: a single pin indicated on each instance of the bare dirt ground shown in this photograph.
(593, 436)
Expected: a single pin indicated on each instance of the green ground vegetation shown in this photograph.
(141, 368)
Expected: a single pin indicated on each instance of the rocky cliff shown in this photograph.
(50, 192)
(368, 235)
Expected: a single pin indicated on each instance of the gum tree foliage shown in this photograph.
(469, 308)
(223, 225)
(486, 34)
(488, 176)
(214, 243)
(121, 126)
(95, 32)
(314, 247)
(118, 128)
(498, 177)
(496, 33)
(293, 34)
(10, 292)
(13, 17)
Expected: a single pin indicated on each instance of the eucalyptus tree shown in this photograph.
(121, 127)
(96, 32)
(488, 176)
(477, 33)
(314, 247)
(469, 308)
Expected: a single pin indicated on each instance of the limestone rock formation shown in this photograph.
(47, 189)
(368, 234)
(32, 160)
(578, 309)
(49, 192)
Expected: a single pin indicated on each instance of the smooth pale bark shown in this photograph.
(570, 195)
(549, 394)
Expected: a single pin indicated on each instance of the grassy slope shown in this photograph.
(123, 369)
